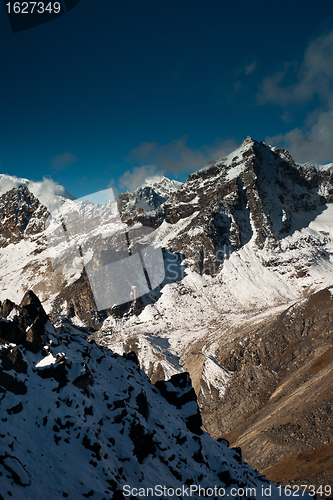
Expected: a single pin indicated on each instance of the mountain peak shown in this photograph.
(160, 184)
(249, 196)
(49, 193)
(21, 214)
(248, 141)
(149, 196)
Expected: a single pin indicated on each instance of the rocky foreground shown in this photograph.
(78, 421)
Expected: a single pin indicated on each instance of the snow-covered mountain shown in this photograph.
(49, 193)
(149, 196)
(254, 230)
(245, 240)
(256, 194)
(251, 232)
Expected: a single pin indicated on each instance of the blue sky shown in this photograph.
(114, 91)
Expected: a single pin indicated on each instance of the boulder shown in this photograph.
(10, 383)
(6, 308)
(57, 371)
(179, 392)
(10, 331)
(31, 307)
(27, 327)
(34, 340)
(12, 359)
(84, 380)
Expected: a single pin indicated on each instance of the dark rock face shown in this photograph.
(57, 371)
(27, 325)
(21, 214)
(253, 193)
(9, 382)
(179, 392)
(142, 440)
(142, 404)
(7, 308)
(15, 409)
(12, 359)
(84, 380)
(31, 305)
(10, 331)
(34, 340)
(80, 301)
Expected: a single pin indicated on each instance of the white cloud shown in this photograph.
(250, 68)
(312, 83)
(47, 191)
(174, 157)
(133, 179)
(177, 156)
(314, 145)
(63, 161)
(313, 77)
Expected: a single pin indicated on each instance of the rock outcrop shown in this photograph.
(21, 215)
(24, 324)
(90, 424)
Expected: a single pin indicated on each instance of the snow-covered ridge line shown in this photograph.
(49, 193)
(81, 421)
(149, 196)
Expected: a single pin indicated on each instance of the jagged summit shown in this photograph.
(161, 184)
(149, 196)
(253, 195)
(49, 193)
(236, 163)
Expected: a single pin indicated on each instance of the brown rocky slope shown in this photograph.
(278, 406)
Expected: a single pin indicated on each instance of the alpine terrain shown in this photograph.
(223, 330)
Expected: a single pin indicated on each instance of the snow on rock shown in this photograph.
(214, 377)
(50, 360)
(49, 193)
(95, 427)
(250, 232)
(149, 196)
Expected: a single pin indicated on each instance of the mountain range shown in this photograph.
(242, 312)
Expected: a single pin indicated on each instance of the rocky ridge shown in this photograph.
(89, 423)
(153, 192)
(252, 194)
(277, 403)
